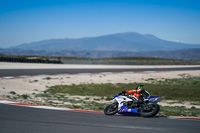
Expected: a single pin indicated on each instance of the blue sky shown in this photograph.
(25, 21)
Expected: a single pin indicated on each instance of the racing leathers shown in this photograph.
(139, 93)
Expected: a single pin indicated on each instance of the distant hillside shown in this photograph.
(129, 41)
(189, 54)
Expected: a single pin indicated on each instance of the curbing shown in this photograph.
(45, 107)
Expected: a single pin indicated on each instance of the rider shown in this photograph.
(138, 92)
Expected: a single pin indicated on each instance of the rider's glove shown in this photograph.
(123, 92)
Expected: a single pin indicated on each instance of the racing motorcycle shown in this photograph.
(123, 103)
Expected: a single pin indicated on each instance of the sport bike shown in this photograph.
(123, 103)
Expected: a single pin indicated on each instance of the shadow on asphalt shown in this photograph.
(137, 115)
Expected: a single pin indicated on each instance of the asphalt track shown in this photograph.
(17, 119)
(18, 72)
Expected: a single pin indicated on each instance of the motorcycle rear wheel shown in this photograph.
(111, 109)
(149, 110)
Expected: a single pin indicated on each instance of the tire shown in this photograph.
(111, 109)
(152, 110)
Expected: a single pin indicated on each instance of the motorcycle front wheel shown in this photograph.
(149, 110)
(111, 109)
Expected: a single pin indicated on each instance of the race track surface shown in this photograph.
(17, 119)
(18, 72)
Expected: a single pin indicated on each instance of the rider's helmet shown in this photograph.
(142, 91)
(139, 87)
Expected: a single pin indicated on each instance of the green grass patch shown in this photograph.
(179, 111)
(34, 81)
(25, 96)
(42, 95)
(12, 92)
(47, 78)
(174, 89)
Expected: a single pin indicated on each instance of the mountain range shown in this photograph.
(129, 44)
(188, 54)
(129, 41)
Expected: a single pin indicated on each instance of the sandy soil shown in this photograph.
(37, 84)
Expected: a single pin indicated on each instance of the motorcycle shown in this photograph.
(123, 103)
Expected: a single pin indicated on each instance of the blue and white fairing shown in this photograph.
(122, 99)
(154, 99)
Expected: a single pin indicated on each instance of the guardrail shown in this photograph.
(98, 62)
(24, 60)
